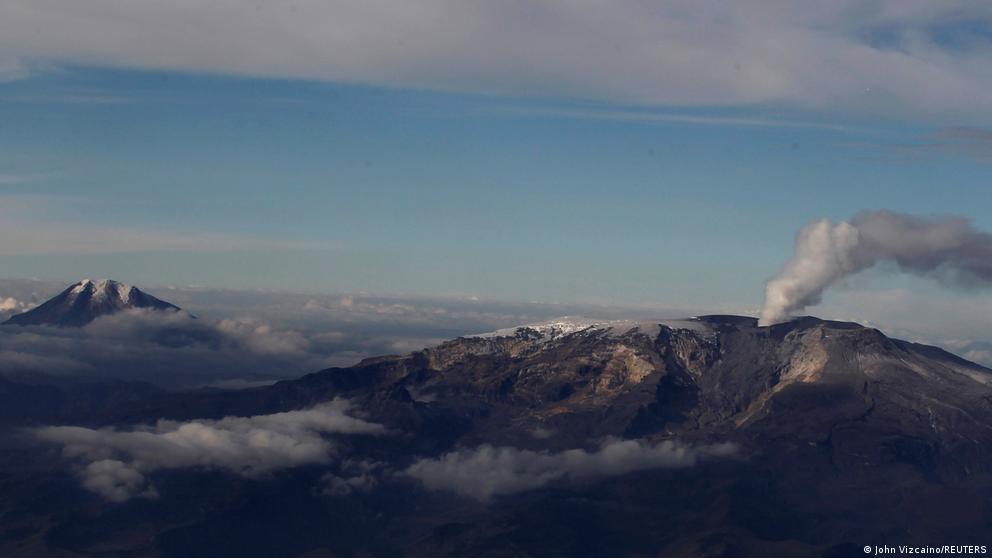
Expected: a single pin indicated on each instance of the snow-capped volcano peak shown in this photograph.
(83, 302)
(104, 289)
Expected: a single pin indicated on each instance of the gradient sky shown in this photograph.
(477, 170)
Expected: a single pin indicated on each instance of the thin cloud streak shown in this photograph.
(645, 117)
(12, 179)
(974, 143)
(68, 99)
(25, 231)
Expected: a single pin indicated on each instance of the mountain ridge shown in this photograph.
(729, 374)
(842, 436)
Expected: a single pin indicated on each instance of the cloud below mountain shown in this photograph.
(244, 337)
(10, 304)
(117, 461)
(488, 471)
(171, 349)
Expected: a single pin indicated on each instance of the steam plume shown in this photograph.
(946, 248)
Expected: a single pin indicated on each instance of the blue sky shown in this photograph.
(336, 179)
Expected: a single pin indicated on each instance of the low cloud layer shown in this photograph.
(117, 462)
(948, 249)
(489, 471)
(10, 305)
(242, 338)
(846, 55)
(170, 349)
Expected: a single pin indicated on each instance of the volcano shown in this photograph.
(842, 436)
(86, 301)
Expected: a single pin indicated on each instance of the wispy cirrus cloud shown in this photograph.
(78, 98)
(26, 229)
(654, 117)
(12, 68)
(9, 179)
(848, 56)
(974, 143)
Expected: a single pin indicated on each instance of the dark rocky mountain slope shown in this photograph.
(846, 438)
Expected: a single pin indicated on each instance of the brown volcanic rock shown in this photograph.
(847, 438)
(715, 377)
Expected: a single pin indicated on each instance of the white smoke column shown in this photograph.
(946, 248)
(824, 254)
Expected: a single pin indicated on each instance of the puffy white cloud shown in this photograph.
(488, 471)
(116, 481)
(847, 54)
(11, 305)
(118, 460)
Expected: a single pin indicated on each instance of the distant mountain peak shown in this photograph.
(83, 302)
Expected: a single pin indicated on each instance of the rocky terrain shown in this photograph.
(807, 438)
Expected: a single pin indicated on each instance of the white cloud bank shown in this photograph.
(489, 471)
(119, 460)
(904, 57)
(165, 348)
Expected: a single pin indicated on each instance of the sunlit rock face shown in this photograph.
(711, 377)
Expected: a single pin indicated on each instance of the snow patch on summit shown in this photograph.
(83, 302)
(568, 325)
(103, 289)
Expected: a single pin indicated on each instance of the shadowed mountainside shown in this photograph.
(845, 437)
